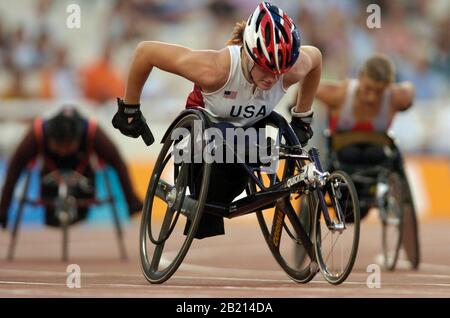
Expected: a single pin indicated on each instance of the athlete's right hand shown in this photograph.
(130, 121)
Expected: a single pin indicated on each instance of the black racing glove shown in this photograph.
(302, 126)
(138, 125)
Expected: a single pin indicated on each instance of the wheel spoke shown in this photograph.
(165, 227)
(331, 248)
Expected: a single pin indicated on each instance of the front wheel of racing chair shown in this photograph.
(172, 196)
(292, 221)
(336, 245)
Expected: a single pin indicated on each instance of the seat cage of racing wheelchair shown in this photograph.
(253, 201)
(65, 202)
(366, 175)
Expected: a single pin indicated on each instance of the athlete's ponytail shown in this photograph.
(237, 37)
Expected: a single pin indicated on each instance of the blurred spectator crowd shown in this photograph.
(413, 32)
(42, 59)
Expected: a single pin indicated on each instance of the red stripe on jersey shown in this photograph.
(366, 126)
(332, 125)
(195, 98)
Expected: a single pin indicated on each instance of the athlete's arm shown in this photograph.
(403, 96)
(306, 72)
(26, 151)
(203, 67)
(331, 94)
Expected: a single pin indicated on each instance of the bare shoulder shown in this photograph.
(402, 95)
(312, 52)
(216, 65)
(310, 57)
(206, 68)
(221, 67)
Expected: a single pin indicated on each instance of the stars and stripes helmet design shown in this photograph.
(272, 39)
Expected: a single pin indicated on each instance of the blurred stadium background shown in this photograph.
(44, 64)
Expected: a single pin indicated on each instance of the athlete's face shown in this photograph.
(263, 79)
(63, 149)
(370, 91)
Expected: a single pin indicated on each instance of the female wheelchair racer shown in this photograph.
(240, 85)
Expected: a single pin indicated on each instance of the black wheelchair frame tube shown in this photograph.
(314, 154)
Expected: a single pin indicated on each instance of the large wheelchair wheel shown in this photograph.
(336, 247)
(392, 221)
(410, 237)
(172, 196)
(279, 225)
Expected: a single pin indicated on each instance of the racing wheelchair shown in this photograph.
(65, 204)
(273, 194)
(383, 185)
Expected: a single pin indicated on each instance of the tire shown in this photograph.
(305, 215)
(278, 231)
(151, 267)
(347, 200)
(411, 242)
(286, 246)
(392, 222)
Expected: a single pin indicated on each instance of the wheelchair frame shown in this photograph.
(268, 197)
(363, 174)
(68, 201)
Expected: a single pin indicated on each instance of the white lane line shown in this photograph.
(426, 276)
(376, 293)
(264, 280)
(396, 284)
(30, 283)
(203, 269)
(64, 273)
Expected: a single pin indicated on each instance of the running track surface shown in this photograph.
(238, 264)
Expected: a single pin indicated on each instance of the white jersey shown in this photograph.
(236, 102)
(347, 121)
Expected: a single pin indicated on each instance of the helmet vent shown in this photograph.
(283, 32)
(267, 34)
(258, 20)
(258, 46)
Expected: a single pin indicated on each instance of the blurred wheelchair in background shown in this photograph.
(65, 206)
(375, 165)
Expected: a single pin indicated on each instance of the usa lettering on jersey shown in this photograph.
(247, 111)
